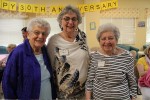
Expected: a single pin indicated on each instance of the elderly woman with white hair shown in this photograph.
(111, 71)
(143, 66)
(28, 73)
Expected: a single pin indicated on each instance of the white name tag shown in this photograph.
(101, 63)
(63, 52)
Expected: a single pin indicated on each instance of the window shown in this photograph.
(10, 30)
(126, 27)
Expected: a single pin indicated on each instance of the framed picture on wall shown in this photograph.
(141, 24)
(92, 25)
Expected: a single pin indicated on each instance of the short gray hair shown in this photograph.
(38, 22)
(108, 28)
(67, 10)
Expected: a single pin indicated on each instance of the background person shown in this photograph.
(24, 32)
(111, 72)
(9, 48)
(28, 73)
(143, 65)
(69, 55)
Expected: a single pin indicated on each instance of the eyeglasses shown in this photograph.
(67, 19)
(38, 33)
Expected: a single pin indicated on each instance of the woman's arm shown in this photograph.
(9, 82)
(131, 79)
(141, 71)
(90, 78)
(88, 95)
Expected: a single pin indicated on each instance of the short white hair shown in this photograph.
(108, 28)
(38, 22)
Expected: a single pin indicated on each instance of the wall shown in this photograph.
(123, 4)
(16, 36)
(141, 5)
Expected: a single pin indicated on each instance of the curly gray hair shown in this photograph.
(69, 9)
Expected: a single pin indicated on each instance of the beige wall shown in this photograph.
(141, 5)
(51, 2)
(140, 37)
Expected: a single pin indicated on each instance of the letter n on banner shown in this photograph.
(22, 7)
(5, 4)
(60, 9)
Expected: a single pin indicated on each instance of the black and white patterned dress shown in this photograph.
(111, 77)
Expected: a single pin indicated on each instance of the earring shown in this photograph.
(61, 27)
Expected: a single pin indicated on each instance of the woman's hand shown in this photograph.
(88, 95)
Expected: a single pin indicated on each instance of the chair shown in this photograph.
(3, 50)
(129, 48)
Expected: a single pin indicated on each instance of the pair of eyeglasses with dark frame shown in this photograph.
(38, 33)
(67, 19)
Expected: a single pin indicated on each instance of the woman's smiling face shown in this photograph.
(69, 22)
(108, 41)
(37, 36)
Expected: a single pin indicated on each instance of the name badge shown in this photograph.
(63, 52)
(101, 63)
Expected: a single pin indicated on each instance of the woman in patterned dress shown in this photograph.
(111, 71)
(69, 55)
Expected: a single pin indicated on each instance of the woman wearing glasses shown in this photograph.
(69, 55)
(28, 73)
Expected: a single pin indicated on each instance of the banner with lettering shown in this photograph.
(43, 9)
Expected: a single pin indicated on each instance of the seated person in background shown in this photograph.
(143, 66)
(24, 32)
(10, 47)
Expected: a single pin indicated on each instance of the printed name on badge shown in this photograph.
(63, 52)
(101, 63)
